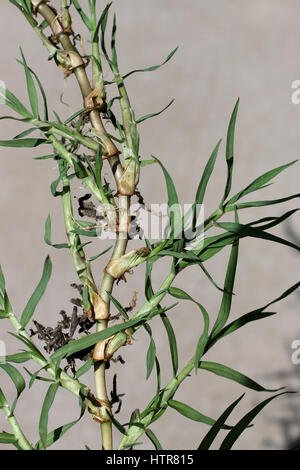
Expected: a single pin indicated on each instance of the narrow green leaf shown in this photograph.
(252, 316)
(17, 379)
(259, 182)
(82, 14)
(204, 181)
(85, 368)
(180, 294)
(246, 205)
(153, 439)
(25, 133)
(173, 203)
(149, 116)
(12, 101)
(151, 353)
(6, 438)
(193, 414)
(17, 358)
(93, 258)
(230, 151)
(231, 374)
(118, 306)
(90, 340)
(228, 290)
(2, 281)
(238, 429)
(25, 143)
(75, 115)
(172, 342)
(218, 425)
(153, 67)
(247, 231)
(43, 424)
(32, 93)
(147, 162)
(37, 294)
(47, 236)
(53, 436)
(47, 157)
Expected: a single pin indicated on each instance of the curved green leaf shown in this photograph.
(24, 143)
(193, 414)
(230, 151)
(43, 424)
(218, 425)
(237, 430)
(37, 294)
(231, 374)
(17, 379)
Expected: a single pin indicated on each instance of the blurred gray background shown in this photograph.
(227, 49)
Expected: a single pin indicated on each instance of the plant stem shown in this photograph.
(22, 441)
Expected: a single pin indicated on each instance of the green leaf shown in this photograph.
(85, 368)
(25, 133)
(17, 358)
(82, 14)
(45, 106)
(118, 306)
(180, 294)
(151, 353)
(153, 439)
(90, 340)
(246, 205)
(204, 181)
(149, 116)
(231, 374)
(2, 281)
(25, 143)
(53, 436)
(17, 379)
(173, 203)
(12, 101)
(228, 290)
(147, 162)
(230, 151)
(237, 430)
(6, 438)
(153, 67)
(193, 414)
(259, 182)
(37, 294)
(93, 258)
(252, 316)
(43, 424)
(47, 157)
(47, 236)
(75, 115)
(247, 231)
(172, 342)
(218, 425)
(32, 93)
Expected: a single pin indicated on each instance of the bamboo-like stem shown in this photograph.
(21, 439)
(121, 243)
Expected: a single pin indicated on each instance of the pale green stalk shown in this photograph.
(22, 441)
